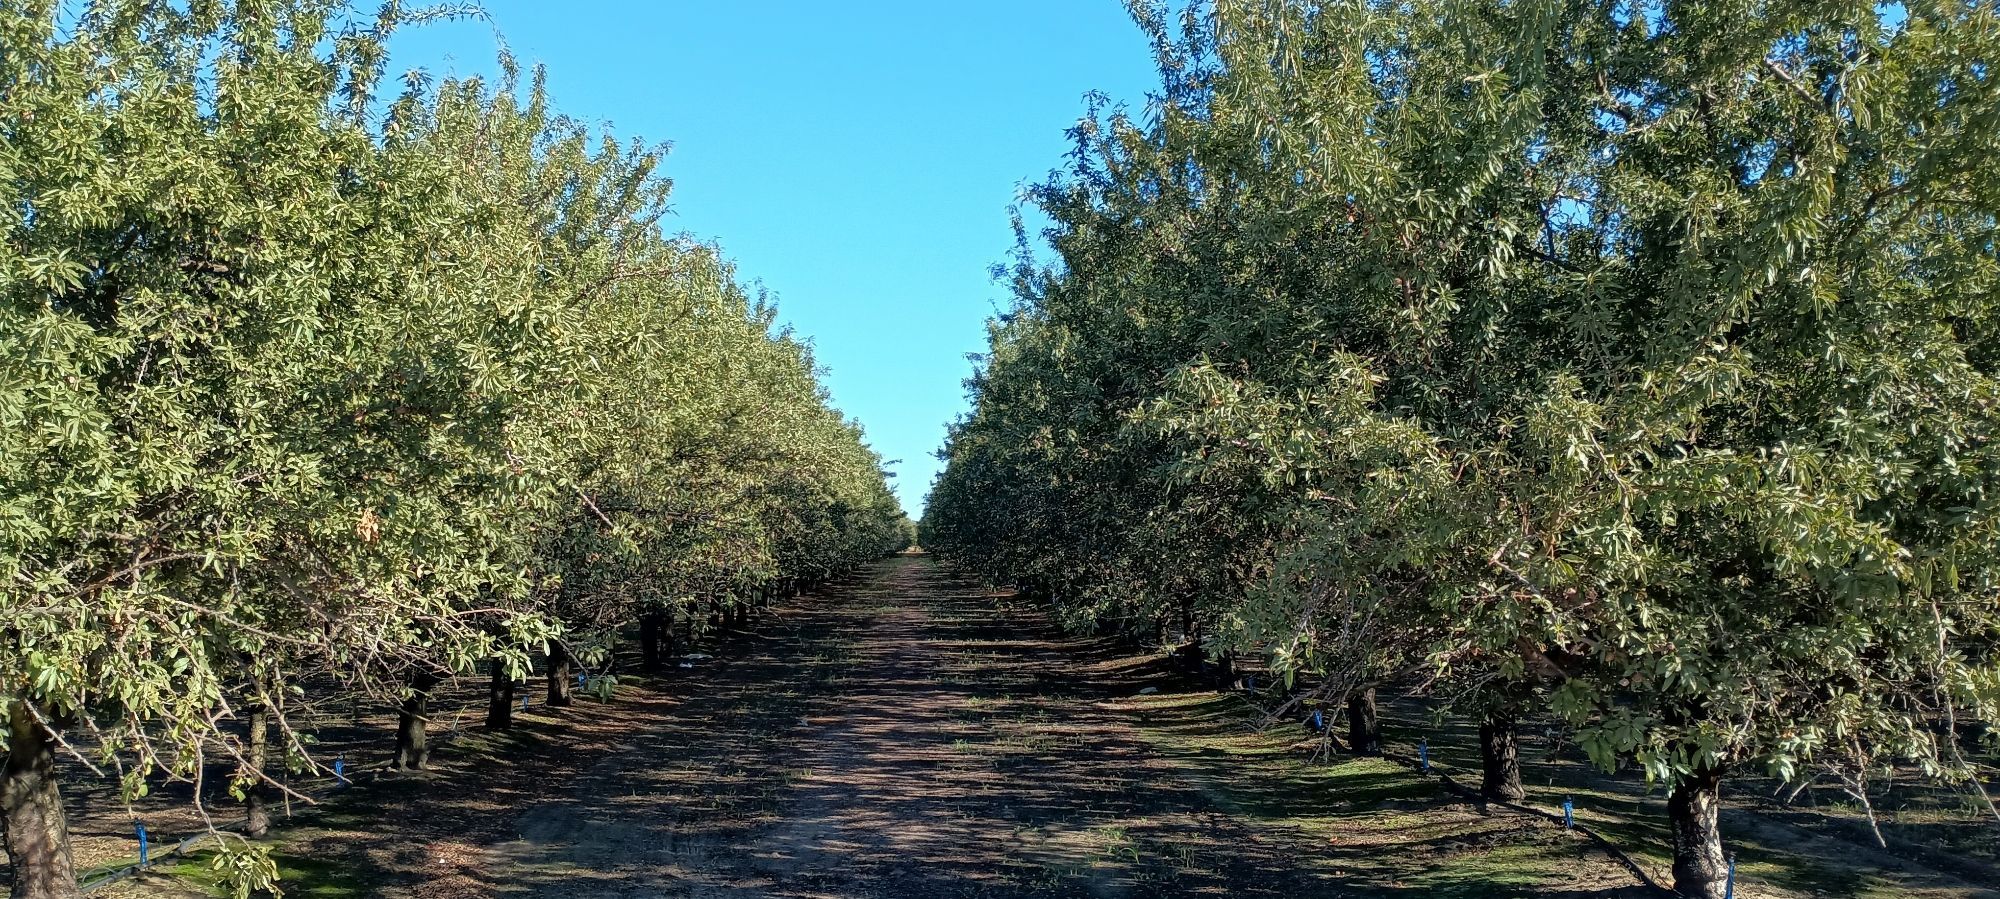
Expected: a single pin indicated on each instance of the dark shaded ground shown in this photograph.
(1796, 850)
(912, 735)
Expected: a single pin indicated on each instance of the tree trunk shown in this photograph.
(500, 698)
(31, 807)
(1364, 734)
(1190, 651)
(1225, 669)
(1700, 869)
(1500, 757)
(413, 748)
(650, 659)
(257, 817)
(560, 675)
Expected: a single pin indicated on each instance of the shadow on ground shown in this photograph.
(911, 734)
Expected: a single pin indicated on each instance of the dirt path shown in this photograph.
(912, 735)
(900, 738)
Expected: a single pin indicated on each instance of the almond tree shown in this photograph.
(310, 393)
(1634, 356)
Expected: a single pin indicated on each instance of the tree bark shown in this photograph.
(1364, 733)
(560, 675)
(1700, 870)
(1190, 651)
(500, 698)
(257, 816)
(650, 658)
(1500, 757)
(413, 748)
(37, 834)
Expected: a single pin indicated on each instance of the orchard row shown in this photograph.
(1631, 364)
(311, 386)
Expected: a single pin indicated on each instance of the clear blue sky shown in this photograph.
(856, 158)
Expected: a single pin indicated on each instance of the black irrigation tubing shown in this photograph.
(340, 783)
(153, 860)
(1610, 848)
(1618, 855)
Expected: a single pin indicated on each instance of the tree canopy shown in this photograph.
(1631, 362)
(308, 382)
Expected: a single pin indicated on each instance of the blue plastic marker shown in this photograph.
(140, 829)
(1319, 720)
(1729, 885)
(579, 678)
(1569, 814)
(1424, 755)
(340, 769)
(524, 702)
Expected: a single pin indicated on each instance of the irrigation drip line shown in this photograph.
(1429, 767)
(1617, 854)
(338, 783)
(373, 771)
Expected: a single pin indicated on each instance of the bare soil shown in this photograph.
(912, 734)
